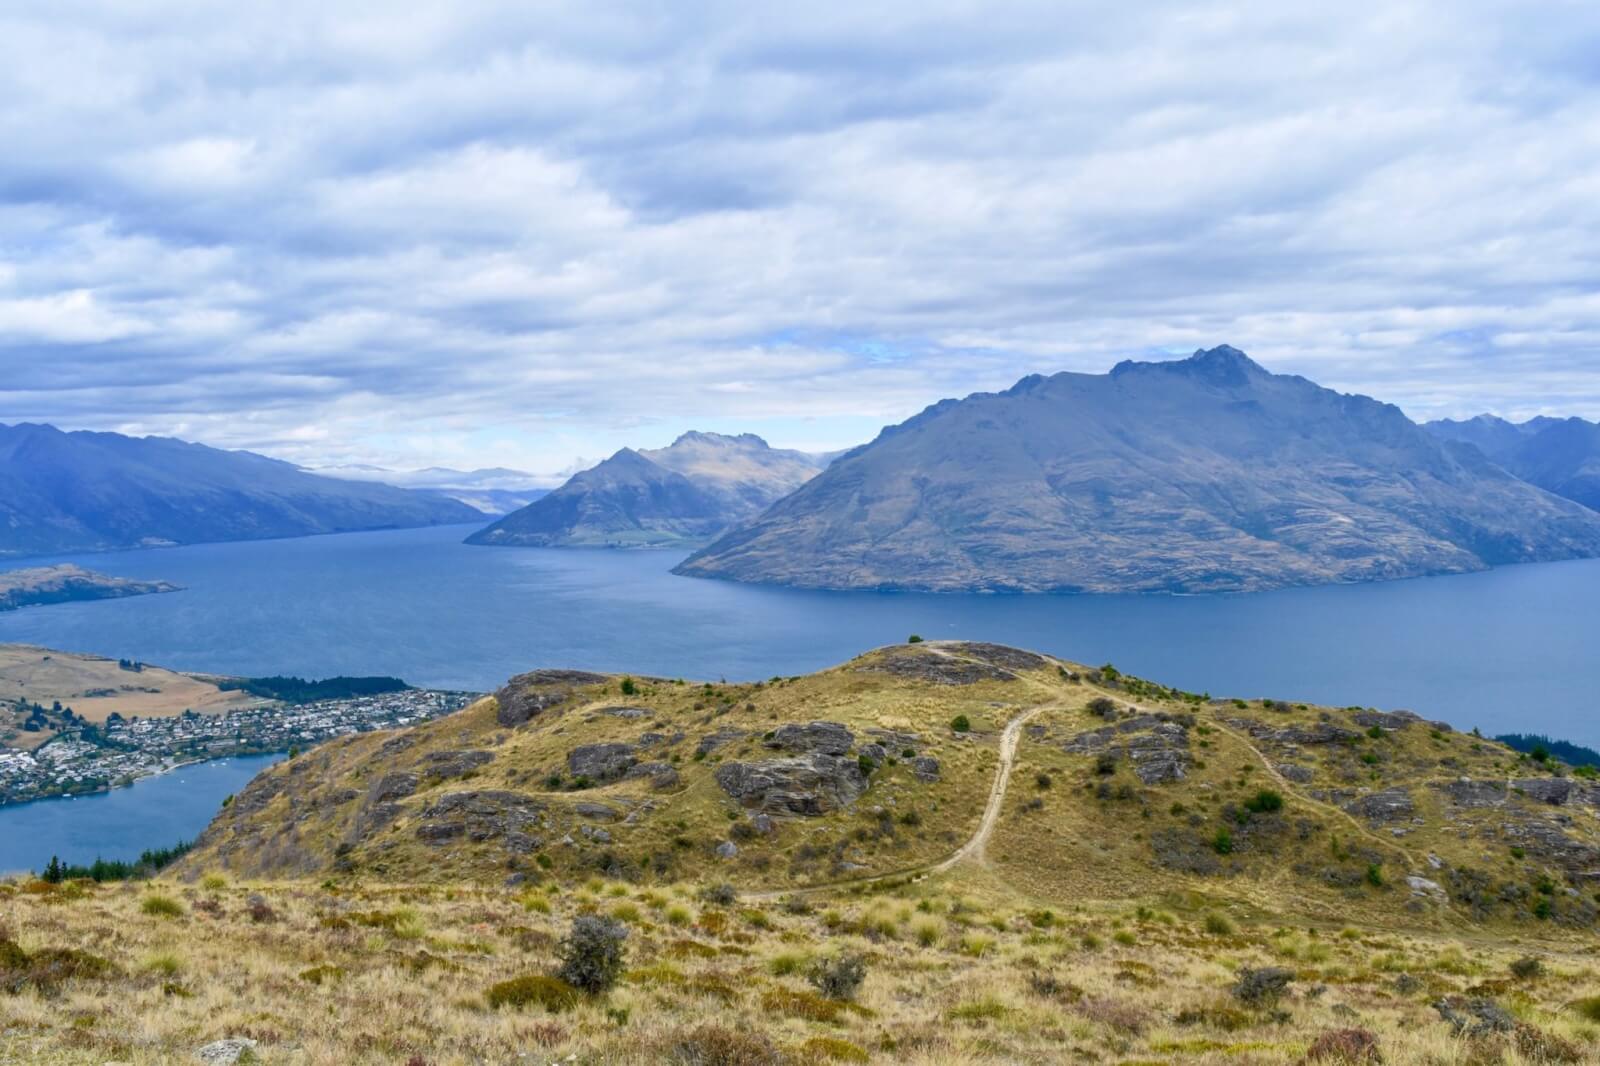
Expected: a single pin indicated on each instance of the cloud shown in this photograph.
(503, 234)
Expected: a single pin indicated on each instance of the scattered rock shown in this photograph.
(456, 763)
(391, 787)
(662, 775)
(601, 762)
(895, 740)
(935, 669)
(1468, 793)
(1379, 808)
(727, 849)
(509, 817)
(826, 738)
(598, 811)
(876, 752)
(721, 738)
(627, 712)
(1421, 886)
(1300, 775)
(1475, 1016)
(998, 655)
(1552, 790)
(926, 768)
(806, 785)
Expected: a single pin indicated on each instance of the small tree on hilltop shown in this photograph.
(592, 956)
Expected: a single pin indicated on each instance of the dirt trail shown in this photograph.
(976, 844)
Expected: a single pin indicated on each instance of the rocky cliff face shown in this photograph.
(1198, 475)
(687, 492)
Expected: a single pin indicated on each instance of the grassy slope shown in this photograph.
(1070, 884)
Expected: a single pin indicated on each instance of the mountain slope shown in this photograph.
(1560, 455)
(1196, 475)
(98, 491)
(689, 491)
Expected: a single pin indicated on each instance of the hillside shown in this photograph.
(857, 773)
(687, 492)
(1561, 455)
(1091, 867)
(68, 584)
(1203, 474)
(100, 491)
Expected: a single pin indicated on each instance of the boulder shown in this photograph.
(601, 762)
(456, 763)
(876, 752)
(627, 712)
(807, 785)
(530, 694)
(662, 775)
(226, 1052)
(721, 738)
(598, 811)
(926, 768)
(895, 740)
(488, 815)
(826, 738)
(391, 787)
(727, 849)
(1552, 790)
(1389, 805)
(1469, 793)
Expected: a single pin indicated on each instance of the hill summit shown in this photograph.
(1202, 474)
(689, 491)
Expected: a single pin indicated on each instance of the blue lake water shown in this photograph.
(1511, 649)
(156, 812)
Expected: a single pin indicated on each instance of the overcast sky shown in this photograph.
(521, 234)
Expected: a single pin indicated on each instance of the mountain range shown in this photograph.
(689, 491)
(84, 491)
(1203, 474)
(1561, 455)
(493, 490)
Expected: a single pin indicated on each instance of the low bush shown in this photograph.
(834, 1049)
(158, 906)
(716, 1045)
(1262, 987)
(839, 977)
(533, 990)
(1354, 1046)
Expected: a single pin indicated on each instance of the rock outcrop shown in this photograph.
(809, 785)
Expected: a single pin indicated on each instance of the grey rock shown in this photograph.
(1475, 1016)
(662, 775)
(826, 738)
(761, 823)
(1389, 805)
(481, 816)
(1552, 790)
(530, 694)
(934, 668)
(1469, 793)
(1300, 775)
(926, 768)
(721, 738)
(727, 849)
(456, 763)
(808, 785)
(627, 712)
(876, 752)
(1421, 886)
(392, 787)
(226, 1052)
(894, 740)
(601, 762)
(597, 811)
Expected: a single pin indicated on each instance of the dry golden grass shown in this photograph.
(400, 974)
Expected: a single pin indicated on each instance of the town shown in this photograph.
(124, 750)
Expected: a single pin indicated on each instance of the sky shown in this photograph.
(481, 234)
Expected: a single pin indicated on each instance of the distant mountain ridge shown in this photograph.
(1560, 455)
(689, 491)
(1202, 474)
(84, 491)
(493, 490)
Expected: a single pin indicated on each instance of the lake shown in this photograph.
(155, 812)
(1509, 649)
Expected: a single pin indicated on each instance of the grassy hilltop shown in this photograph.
(1034, 861)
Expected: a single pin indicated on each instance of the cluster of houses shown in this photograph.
(126, 749)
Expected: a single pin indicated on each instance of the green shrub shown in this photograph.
(1218, 924)
(961, 724)
(838, 978)
(628, 687)
(1374, 875)
(592, 955)
(914, 639)
(1265, 801)
(1222, 843)
(533, 990)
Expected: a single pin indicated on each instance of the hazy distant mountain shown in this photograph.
(1558, 454)
(689, 491)
(1201, 474)
(96, 491)
(493, 490)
